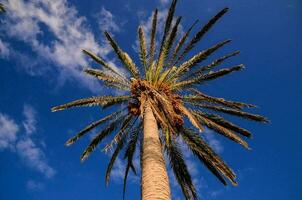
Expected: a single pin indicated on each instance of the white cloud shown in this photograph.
(34, 157)
(212, 141)
(30, 121)
(4, 49)
(164, 2)
(35, 22)
(8, 132)
(23, 144)
(107, 21)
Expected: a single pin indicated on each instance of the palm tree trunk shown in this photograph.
(155, 181)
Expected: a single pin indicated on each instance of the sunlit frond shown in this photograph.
(166, 49)
(123, 56)
(199, 35)
(210, 66)
(143, 49)
(238, 113)
(152, 38)
(209, 76)
(93, 101)
(100, 61)
(203, 98)
(220, 129)
(186, 66)
(180, 44)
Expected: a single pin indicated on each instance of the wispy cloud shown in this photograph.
(4, 49)
(23, 143)
(34, 157)
(8, 132)
(55, 32)
(212, 141)
(30, 121)
(107, 21)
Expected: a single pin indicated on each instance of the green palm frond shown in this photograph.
(209, 76)
(226, 124)
(210, 66)
(201, 97)
(166, 48)
(101, 61)
(186, 66)
(207, 155)
(123, 56)
(143, 49)
(114, 156)
(168, 24)
(234, 112)
(181, 43)
(93, 101)
(127, 125)
(220, 129)
(92, 126)
(104, 133)
(181, 171)
(199, 35)
(152, 38)
(129, 153)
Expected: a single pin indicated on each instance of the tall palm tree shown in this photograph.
(162, 109)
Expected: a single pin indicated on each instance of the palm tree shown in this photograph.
(160, 104)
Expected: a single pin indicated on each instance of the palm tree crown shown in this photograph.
(167, 84)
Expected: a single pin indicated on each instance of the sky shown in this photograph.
(41, 66)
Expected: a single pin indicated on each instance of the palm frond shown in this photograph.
(168, 23)
(143, 49)
(127, 125)
(220, 129)
(206, 98)
(123, 56)
(92, 126)
(101, 75)
(166, 48)
(115, 154)
(104, 133)
(129, 153)
(209, 76)
(180, 170)
(199, 147)
(199, 35)
(181, 43)
(210, 66)
(186, 66)
(152, 38)
(104, 64)
(93, 101)
(234, 112)
(192, 118)
(226, 124)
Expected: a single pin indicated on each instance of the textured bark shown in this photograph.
(155, 181)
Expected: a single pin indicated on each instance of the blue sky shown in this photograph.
(41, 63)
